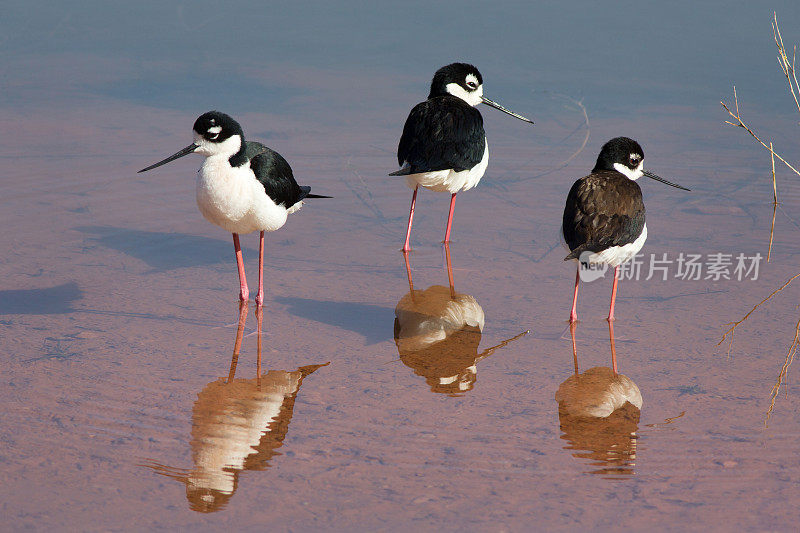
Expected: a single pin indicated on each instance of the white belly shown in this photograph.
(616, 255)
(234, 200)
(450, 180)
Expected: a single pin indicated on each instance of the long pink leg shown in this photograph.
(613, 294)
(244, 292)
(573, 315)
(260, 293)
(406, 246)
(450, 218)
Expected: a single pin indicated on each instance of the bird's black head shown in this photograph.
(463, 81)
(216, 127)
(458, 79)
(623, 155)
(214, 133)
(626, 157)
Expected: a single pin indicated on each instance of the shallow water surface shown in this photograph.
(439, 391)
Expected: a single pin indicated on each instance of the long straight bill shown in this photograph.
(188, 150)
(662, 180)
(495, 105)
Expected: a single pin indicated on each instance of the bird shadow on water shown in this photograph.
(372, 321)
(163, 250)
(56, 300)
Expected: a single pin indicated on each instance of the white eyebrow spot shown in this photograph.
(215, 129)
(471, 79)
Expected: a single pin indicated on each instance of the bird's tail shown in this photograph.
(307, 193)
(405, 171)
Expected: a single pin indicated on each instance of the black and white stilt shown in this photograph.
(604, 219)
(242, 187)
(443, 146)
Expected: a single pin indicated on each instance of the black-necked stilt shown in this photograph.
(443, 146)
(243, 186)
(604, 214)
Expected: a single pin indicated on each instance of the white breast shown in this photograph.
(616, 255)
(450, 180)
(233, 199)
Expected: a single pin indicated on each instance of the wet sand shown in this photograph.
(119, 317)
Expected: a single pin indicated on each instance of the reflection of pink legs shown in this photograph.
(259, 320)
(573, 315)
(406, 246)
(450, 218)
(572, 327)
(613, 348)
(408, 271)
(260, 293)
(244, 292)
(237, 345)
(613, 294)
(449, 270)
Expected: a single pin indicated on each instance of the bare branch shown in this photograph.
(787, 67)
(776, 389)
(740, 123)
(734, 325)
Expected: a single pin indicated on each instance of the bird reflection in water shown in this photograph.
(237, 424)
(599, 415)
(437, 332)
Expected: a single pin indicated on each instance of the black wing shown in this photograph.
(442, 133)
(603, 209)
(275, 174)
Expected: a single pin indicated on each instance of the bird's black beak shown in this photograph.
(495, 105)
(188, 150)
(662, 180)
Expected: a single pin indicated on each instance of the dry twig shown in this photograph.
(734, 325)
(784, 371)
(787, 67)
(740, 124)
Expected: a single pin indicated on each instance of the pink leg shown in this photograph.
(613, 294)
(573, 315)
(406, 246)
(260, 293)
(450, 218)
(244, 293)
